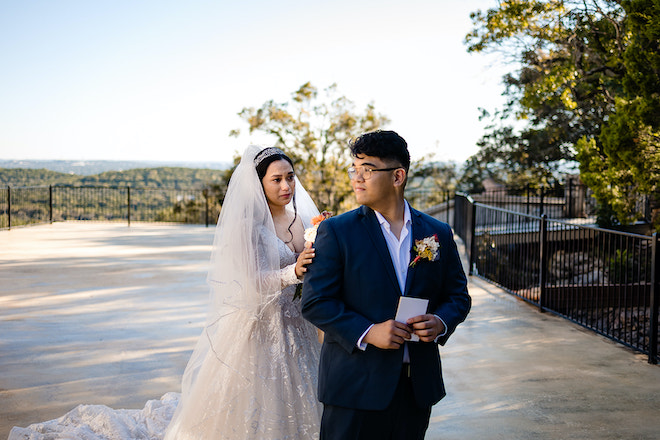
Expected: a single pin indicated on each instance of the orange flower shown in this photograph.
(310, 233)
(319, 218)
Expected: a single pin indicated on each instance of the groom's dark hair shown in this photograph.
(384, 145)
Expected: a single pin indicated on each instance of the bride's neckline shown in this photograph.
(288, 244)
(293, 250)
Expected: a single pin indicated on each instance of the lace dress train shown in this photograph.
(258, 382)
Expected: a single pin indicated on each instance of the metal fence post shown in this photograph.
(128, 204)
(447, 207)
(570, 210)
(456, 223)
(473, 227)
(206, 202)
(655, 299)
(8, 207)
(542, 261)
(50, 203)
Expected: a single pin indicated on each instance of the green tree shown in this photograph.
(315, 131)
(624, 160)
(587, 87)
(569, 60)
(510, 157)
(429, 182)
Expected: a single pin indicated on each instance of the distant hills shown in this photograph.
(20, 173)
(91, 167)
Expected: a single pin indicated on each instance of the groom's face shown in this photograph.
(378, 187)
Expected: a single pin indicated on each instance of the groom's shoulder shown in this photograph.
(346, 218)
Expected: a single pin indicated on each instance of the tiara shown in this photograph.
(265, 153)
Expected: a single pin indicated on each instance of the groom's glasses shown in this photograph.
(365, 172)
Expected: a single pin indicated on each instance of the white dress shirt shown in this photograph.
(400, 254)
(399, 249)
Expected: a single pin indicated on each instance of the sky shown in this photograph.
(165, 80)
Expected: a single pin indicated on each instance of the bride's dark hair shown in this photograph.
(261, 162)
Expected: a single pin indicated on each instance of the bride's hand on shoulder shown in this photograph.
(305, 257)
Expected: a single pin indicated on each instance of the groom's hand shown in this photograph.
(388, 335)
(427, 327)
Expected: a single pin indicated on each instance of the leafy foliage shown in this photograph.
(515, 159)
(315, 131)
(430, 181)
(587, 88)
(625, 159)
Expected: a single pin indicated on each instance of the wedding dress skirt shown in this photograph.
(99, 422)
(268, 391)
(259, 382)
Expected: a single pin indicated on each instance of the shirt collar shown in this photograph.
(406, 216)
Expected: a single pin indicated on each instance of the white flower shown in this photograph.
(431, 244)
(310, 233)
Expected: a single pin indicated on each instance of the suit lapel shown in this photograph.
(376, 235)
(417, 234)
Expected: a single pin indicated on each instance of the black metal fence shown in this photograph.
(566, 201)
(43, 204)
(571, 200)
(604, 280)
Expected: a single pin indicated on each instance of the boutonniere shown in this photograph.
(426, 249)
(310, 236)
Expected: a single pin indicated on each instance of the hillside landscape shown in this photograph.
(144, 177)
(89, 167)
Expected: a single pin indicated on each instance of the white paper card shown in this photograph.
(409, 307)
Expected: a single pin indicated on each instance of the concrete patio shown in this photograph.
(108, 314)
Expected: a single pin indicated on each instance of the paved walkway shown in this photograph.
(103, 313)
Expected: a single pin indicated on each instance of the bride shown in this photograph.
(253, 372)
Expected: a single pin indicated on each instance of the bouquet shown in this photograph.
(310, 233)
(310, 237)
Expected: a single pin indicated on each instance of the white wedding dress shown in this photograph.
(253, 373)
(265, 385)
(272, 398)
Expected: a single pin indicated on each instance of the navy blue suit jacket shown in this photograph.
(351, 284)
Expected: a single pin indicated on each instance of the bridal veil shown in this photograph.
(246, 296)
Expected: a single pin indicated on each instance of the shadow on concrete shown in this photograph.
(100, 313)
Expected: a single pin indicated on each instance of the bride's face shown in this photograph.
(279, 183)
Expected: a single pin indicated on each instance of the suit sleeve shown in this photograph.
(456, 303)
(323, 290)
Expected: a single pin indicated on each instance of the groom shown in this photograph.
(373, 381)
